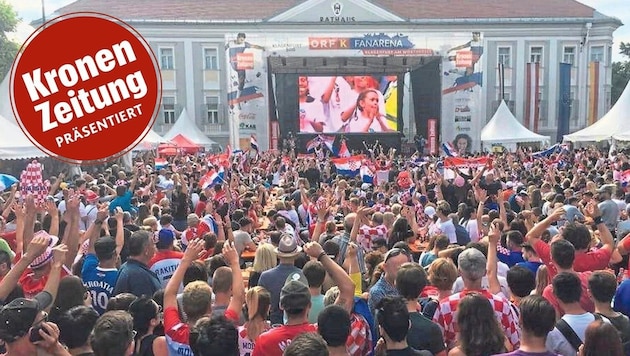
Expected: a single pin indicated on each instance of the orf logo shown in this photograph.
(337, 7)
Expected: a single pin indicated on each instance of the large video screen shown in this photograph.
(348, 104)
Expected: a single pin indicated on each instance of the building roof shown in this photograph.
(259, 10)
(469, 9)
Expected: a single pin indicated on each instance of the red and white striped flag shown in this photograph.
(532, 100)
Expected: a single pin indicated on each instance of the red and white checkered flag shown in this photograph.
(32, 182)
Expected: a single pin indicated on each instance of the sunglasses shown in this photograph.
(395, 252)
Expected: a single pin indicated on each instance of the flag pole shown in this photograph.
(43, 13)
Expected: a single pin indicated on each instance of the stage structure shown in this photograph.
(366, 87)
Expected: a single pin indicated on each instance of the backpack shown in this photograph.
(362, 308)
(463, 238)
(567, 331)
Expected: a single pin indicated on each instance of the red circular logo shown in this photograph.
(85, 87)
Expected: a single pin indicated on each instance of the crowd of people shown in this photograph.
(523, 255)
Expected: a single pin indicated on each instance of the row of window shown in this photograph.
(504, 54)
(210, 58)
(212, 110)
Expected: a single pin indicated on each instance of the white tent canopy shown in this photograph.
(188, 128)
(14, 144)
(505, 129)
(150, 142)
(615, 123)
(624, 136)
(5, 101)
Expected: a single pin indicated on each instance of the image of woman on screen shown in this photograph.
(312, 118)
(341, 100)
(367, 115)
(462, 143)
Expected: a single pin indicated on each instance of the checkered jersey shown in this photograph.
(446, 316)
(367, 234)
(381, 208)
(359, 342)
(32, 182)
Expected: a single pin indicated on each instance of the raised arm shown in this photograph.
(494, 235)
(193, 251)
(71, 234)
(52, 210)
(9, 282)
(339, 276)
(238, 288)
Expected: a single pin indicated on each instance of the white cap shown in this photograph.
(429, 211)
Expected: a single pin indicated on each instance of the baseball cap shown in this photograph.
(104, 246)
(429, 211)
(295, 293)
(4, 246)
(17, 317)
(165, 238)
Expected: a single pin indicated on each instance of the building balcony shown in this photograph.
(216, 129)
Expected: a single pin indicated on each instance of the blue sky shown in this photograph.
(32, 9)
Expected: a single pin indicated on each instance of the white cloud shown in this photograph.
(620, 10)
(30, 10)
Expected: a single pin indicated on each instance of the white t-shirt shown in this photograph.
(358, 123)
(445, 227)
(458, 286)
(62, 209)
(90, 212)
(313, 112)
(556, 342)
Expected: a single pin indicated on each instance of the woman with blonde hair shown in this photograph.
(265, 259)
(258, 301)
(542, 280)
(442, 276)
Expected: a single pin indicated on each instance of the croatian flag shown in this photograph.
(328, 141)
(348, 166)
(367, 176)
(548, 152)
(313, 144)
(625, 176)
(212, 178)
(343, 150)
(449, 150)
(6, 181)
(160, 163)
(253, 143)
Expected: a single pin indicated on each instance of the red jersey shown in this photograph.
(276, 340)
(31, 285)
(584, 261)
(177, 332)
(585, 301)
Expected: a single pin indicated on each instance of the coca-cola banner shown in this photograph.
(247, 85)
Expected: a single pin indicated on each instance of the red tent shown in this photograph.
(179, 143)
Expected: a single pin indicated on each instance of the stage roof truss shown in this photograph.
(342, 65)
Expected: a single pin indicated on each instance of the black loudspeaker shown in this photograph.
(427, 95)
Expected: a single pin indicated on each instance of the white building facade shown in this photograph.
(189, 40)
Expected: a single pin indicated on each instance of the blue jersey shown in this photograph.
(100, 282)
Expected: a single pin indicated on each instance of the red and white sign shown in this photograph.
(91, 99)
(464, 59)
(432, 135)
(245, 61)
